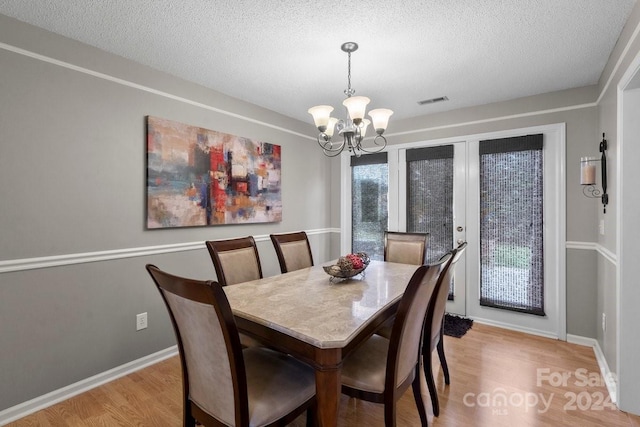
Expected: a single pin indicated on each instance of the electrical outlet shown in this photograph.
(141, 321)
(604, 322)
(601, 227)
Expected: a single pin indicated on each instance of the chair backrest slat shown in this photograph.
(235, 260)
(406, 248)
(293, 251)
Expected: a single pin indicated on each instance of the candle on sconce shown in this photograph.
(587, 171)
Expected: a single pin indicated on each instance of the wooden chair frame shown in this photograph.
(217, 246)
(279, 239)
(433, 338)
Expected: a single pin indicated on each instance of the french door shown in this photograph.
(430, 179)
(504, 198)
(518, 230)
(432, 199)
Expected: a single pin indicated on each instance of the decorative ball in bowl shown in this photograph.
(348, 266)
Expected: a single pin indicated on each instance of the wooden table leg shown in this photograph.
(328, 397)
(328, 388)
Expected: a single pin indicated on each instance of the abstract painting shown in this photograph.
(200, 177)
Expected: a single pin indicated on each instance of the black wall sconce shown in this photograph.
(588, 175)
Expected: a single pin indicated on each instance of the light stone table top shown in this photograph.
(306, 305)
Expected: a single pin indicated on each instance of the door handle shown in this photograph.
(460, 241)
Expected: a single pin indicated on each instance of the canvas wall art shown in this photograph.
(199, 177)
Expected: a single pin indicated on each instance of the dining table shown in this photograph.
(319, 319)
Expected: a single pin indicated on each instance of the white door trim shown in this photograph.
(626, 294)
(556, 247)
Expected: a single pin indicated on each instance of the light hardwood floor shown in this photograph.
(498, 378)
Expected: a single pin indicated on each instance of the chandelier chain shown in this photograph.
(349, 75)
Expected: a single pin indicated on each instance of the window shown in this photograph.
(430, 197)
(370, 184)
(511, 224)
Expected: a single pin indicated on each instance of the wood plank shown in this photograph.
(485, 364)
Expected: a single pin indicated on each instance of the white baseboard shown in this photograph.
(580, 340)
(23, 409)
(609, 376)
(510, 327)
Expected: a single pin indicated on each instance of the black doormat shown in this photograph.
(455, 326)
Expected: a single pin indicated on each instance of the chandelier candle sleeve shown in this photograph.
(587, 171)
(588, 175)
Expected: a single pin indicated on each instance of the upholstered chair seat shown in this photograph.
(365, 369)
(276, 383)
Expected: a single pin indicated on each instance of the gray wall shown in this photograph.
(577, 109)
(72, 168)
(72, 158)
(570, 107)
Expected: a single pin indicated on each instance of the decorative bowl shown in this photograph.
(348, 266)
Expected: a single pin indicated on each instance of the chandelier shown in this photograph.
(353, 128)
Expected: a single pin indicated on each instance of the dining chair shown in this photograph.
(235, 260)
(434, 328)
(406, 248)
(381, 369)
(293, 250)
(224, 384)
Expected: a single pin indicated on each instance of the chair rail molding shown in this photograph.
(593, 246)
(9, 266)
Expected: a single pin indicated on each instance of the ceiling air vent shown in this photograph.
(433, 100)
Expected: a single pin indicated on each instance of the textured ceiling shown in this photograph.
(285, 55)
